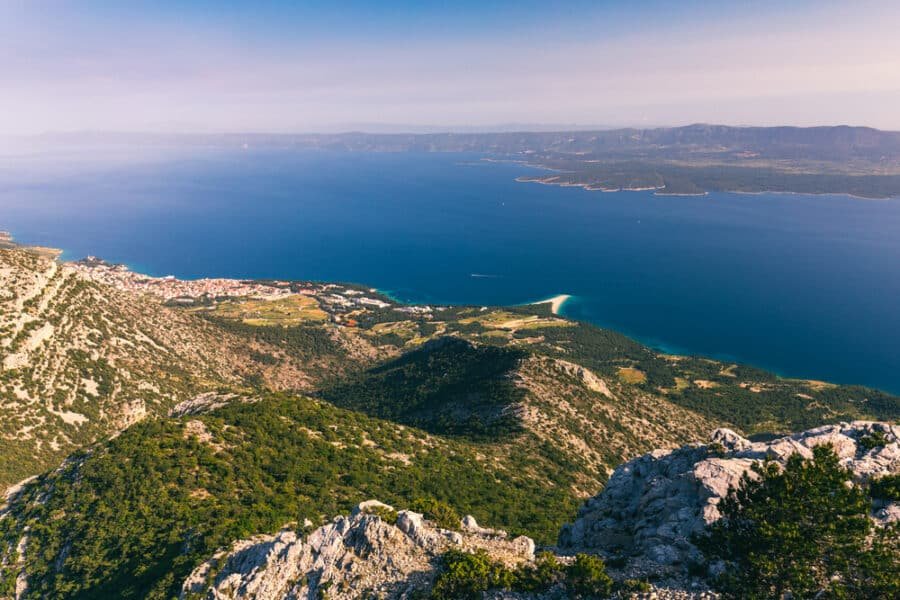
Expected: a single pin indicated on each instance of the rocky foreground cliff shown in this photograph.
(642, 523)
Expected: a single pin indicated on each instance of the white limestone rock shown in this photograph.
(352, 557)
(729, 440)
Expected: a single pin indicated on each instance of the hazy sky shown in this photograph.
(324, 66)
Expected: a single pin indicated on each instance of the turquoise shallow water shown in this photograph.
(806, 286)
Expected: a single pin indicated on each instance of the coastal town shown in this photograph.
(337, 301)
(170, 288)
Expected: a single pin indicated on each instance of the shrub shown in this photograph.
(384, 513)
(886, 488)
(875, 440)
(263, 358)
(543, 574)
(441, 513)
(640, 586)
(716, 449)
(587, 577)
(465, 575)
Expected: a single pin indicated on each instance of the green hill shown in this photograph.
(448, 386)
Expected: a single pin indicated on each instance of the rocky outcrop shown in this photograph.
(652, 505)
(206, 402)
(590, 380)
(359, 556)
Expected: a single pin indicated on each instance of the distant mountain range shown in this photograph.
(690, 160)
(841, 142)
(815, 143)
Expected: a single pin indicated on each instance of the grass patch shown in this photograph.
(502, 319)
(291, 310)
(632, 375)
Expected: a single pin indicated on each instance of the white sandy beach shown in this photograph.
(556, 302)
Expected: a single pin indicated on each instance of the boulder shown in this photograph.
(729, 440)
(470, 525)
(368, 505)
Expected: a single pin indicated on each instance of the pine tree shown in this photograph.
(802, 531)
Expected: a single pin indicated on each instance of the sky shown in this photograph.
(295, 66)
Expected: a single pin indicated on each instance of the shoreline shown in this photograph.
(660, 191)
(595, 187)
(834, 194)
(8, 238)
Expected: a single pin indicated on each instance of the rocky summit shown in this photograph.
(653, 505)
(375, 552)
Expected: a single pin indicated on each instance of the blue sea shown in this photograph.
(807, 286)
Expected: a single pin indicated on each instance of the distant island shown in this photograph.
(690, 160)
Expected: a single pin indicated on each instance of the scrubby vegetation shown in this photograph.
(441, 513)
(587, 577)
(803, 531)
(301, 341)
(886, 487)
(875, 440)
(465, 576)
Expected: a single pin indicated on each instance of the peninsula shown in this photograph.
(556, 302)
